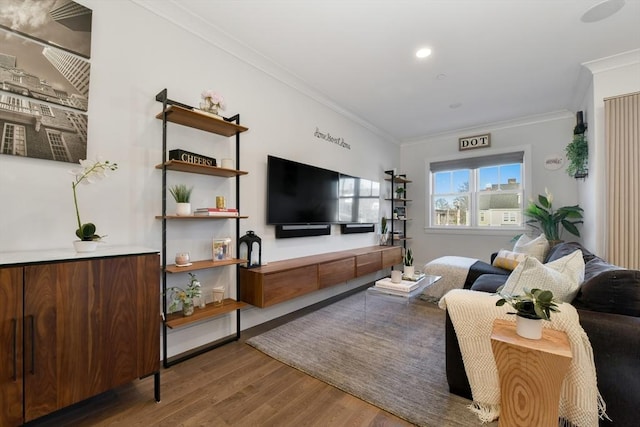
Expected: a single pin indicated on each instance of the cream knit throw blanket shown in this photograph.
(472, 314)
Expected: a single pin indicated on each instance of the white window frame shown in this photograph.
(527, 183)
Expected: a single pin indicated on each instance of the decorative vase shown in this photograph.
(85, 245)
(187, 308)
(183, 209)
(529, 328)
(409, 271)
(208, 106)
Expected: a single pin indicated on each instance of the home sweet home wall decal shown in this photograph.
(336, 140)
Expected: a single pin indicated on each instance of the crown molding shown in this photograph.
(174, 12)
(612, 62)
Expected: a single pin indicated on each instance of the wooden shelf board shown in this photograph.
(202, 121)
(201, 265)
(400, 200)
(175, 320)
(399, 180)
(177, 165)
(201, 217)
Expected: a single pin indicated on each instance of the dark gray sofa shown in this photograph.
(608, 305)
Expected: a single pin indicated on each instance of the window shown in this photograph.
(479, 192)
(58, 147)
(14, 140)
(359, 200)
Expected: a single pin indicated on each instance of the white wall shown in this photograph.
(611, 76)
(545, 135)
(135, 54)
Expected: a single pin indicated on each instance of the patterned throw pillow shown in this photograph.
(536, 248)
(562, 276)
(508, 259)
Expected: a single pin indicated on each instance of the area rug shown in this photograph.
(384, 351)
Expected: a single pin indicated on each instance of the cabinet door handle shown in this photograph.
(33, 344)
(14, 322)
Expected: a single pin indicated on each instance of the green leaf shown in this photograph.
(544, 201)
(571, 228)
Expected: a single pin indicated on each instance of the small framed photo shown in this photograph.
(400, 212)
(222, 249)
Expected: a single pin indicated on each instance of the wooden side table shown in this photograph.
(531, 373)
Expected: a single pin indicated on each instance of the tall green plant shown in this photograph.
(548, 221)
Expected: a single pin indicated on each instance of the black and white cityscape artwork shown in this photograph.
(45, 51)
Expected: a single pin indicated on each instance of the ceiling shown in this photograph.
(492, 60)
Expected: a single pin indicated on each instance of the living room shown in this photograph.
(138, 48)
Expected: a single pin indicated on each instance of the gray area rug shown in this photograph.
(386, 352)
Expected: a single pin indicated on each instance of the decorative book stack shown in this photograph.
(216, 211)
(405, 286)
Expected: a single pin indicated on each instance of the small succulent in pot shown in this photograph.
(534, 304)
(181, 193)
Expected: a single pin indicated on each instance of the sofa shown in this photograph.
(608, 305)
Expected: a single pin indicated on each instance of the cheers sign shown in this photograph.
(478, 141)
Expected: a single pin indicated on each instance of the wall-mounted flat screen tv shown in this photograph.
(300, 194)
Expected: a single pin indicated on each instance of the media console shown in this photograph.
(288, 279)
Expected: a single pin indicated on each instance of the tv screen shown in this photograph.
(300, 194)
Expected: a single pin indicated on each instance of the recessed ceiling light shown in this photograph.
(423, 53)
(455, 105)
(441, 76)
(602, 10)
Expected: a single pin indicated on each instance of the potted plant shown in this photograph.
(400, 192)
(89, 172)
(531, 308)
(577, 156)
(383, 231)
(185, 296)
(548, 221)
(182, 196)
(409, 269)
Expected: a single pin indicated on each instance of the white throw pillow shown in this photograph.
(536, 248)
(562, 276)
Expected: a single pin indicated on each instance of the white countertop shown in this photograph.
(104, 250)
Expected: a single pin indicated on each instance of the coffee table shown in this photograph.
(405, 298)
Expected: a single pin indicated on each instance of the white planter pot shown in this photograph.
(85, 245)
(409, 270)
(183, 209)
(529, 328)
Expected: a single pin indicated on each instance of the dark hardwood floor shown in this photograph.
(234, 385)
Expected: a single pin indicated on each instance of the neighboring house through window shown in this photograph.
(477, 192)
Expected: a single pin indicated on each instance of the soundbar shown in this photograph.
(302, 230)
(356, 228)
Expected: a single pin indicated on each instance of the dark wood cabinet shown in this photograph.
(88, 326)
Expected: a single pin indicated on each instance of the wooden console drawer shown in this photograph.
(332, 273)
(392, 257)
(264, 290)
(368, 263)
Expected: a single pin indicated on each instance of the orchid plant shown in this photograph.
(89, 172)
(214, 99)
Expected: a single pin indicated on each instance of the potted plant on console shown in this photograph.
(182, 196)
(89, 172)
(409, 269)
(531, 308)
